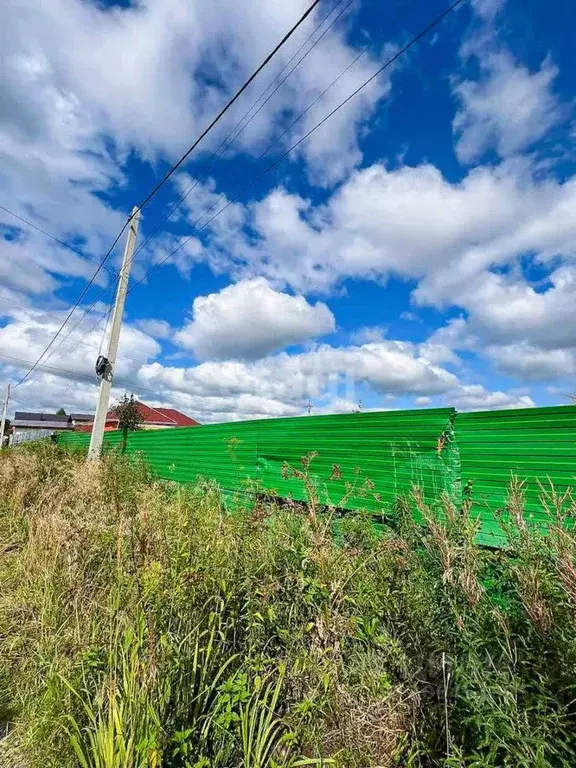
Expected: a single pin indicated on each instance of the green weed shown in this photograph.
(144, 626)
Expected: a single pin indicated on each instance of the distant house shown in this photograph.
(152, 418)
(34, 426)
(47, 422)
(81, 418)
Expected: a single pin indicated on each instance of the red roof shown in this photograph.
(180, 418)
(168, 417)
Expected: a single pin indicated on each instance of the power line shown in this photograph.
(111, 272)
(232, 136)
(50, 312)
(169, 174)
(225, 109)
(76, 304)
(239, 128)
(87, 312)
(110, 306)
(68, 339)
(9, 302)
(437, 20)
(276, 141)
(194, 184)
(48, 368)
(87, 378)
(75, 341)
(287, 65)
(76, 374)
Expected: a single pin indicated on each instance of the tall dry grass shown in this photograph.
(142, 625)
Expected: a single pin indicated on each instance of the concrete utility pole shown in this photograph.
(4, 411)
(107, 372)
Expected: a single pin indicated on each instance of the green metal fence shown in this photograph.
(363, 460)
(367, 460)
(534, 445)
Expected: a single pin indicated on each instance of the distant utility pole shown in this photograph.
(4, 411)
(105, 365)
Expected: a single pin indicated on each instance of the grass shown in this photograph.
(142, 626)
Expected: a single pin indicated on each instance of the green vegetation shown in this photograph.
(128, 413)
(143, 626)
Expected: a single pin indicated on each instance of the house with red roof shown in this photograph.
(152, 418)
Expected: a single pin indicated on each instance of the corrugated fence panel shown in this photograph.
(81, 440)
(225, 453)
(362, 461)
(366, 460)
(536, 445)
(74, 439)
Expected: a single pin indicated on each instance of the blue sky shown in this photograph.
(416, 250)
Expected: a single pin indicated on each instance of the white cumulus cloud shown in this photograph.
(83, 85)
(249, 320)
(529, 363)
(411, 222)
(474, 397)
(507, 109)
(158, 329)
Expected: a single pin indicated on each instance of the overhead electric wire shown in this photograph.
(265, 152)
(49, 368)
(304, 112)
(168, 175)
(67, 339)
(9, 302)
(107, 314)
(226, 141)
(88, 344)
(239, 128)
(437, 20)
(104, 319)
(264, 95)
(77, 374)
(76, 304)
(109, 305)
(112, 272)
(428, 28)
(105, 331)
(232, 101)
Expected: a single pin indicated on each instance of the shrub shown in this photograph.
(143, 625)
